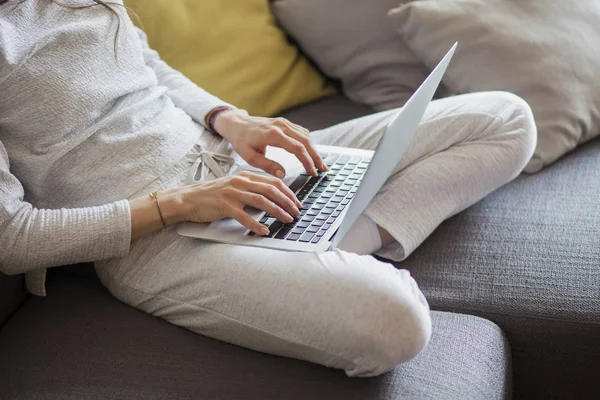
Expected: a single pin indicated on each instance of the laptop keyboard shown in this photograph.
(323, 198)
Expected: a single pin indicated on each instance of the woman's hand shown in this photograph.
(250, 137)
(213, 200)
(226, 198)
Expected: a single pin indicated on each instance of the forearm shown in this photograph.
(145, 216)
(37, 238)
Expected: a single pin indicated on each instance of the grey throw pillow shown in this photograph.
(548, 52)
(354, 41)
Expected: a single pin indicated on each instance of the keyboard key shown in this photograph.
(322, 217)
(313, 195)
(331, 158)
(355, 160)
(299, 182)
(312, 229)
(327, 195)
(323, 201)
(322, 232)
(282, 233)
(336, 214)
(345, 202)
(303, 224)
(264, 219)
(298, 231)
(309, 201)
(274, 228)
(344, 173)
(346, 187)
(309, 218)
(313, 212)
(343, 159)
(318, 223)
(251, 233)
(328, 212)
(317, 207)
(319, 189)
(316, 239)
(293, 237)
(337, 199)
(331, 220)
(307, 237)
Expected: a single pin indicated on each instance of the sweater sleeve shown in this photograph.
(185, 94)
(32, 238)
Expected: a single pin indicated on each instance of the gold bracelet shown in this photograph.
(154, 195)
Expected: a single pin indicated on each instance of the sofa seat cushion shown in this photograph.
(80, 343)
(528, 258)
(12, 294)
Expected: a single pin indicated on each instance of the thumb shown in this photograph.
(271, 167)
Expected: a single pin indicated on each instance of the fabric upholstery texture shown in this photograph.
(12, 295)
(326, 112)
(353, 41)
(234, 50)
(548, 52)
(80, 343)
(528, 258)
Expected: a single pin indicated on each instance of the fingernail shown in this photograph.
(280, 174)
(264, 231)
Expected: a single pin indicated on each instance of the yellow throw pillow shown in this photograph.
(232, 49)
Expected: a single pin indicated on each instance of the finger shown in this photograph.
(293, 146)
(274, 194)
(301, 135)
(262, 203)
(277, 183)
(243, 218)
(271, 167)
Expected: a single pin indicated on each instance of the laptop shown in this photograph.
(332, 201)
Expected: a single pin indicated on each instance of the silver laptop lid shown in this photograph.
(392, 146)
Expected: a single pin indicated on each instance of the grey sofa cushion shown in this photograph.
(326, 112)
(12, 295)
(528, 258)
(355, 42)
(80, 343)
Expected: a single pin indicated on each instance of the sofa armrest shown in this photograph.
(12, 295)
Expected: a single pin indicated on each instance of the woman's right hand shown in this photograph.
(226, 198)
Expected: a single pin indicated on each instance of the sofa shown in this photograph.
(513, 283)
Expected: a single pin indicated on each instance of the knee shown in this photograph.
(519, 126)
(397, 328)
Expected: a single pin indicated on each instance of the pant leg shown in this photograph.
(337, 309)
(466, 147)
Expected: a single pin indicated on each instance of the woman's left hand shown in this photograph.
(250, 137)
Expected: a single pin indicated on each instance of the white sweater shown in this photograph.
(80, 131)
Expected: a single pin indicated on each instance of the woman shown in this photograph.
(92, 121)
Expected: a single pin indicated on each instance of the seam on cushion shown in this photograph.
(210, 311)
(485, 314)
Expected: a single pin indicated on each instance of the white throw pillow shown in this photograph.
(355, 42)
(547, 52)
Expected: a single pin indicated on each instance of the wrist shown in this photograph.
(225, 121)
(172, 206)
